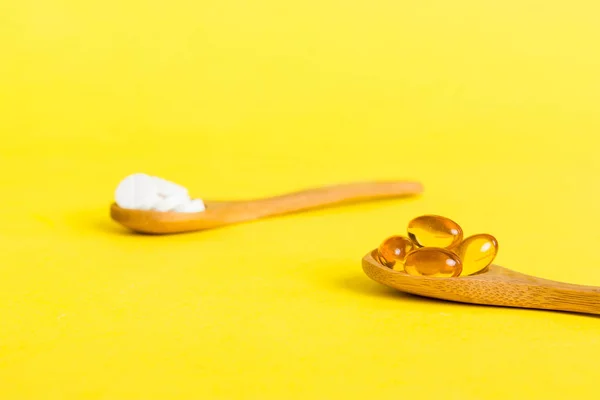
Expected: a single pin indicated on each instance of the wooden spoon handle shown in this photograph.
(566, 297)
(327, 196)
(521, 290)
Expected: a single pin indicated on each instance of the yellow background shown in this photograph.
(494, 106)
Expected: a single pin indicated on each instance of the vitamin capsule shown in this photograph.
(434, 262)
(435, 231)
(392, 252)
(477, 252)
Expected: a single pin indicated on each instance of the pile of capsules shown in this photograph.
(435, 247)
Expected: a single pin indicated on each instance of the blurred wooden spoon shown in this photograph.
(221, 213)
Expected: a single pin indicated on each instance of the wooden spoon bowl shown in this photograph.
(495, 286)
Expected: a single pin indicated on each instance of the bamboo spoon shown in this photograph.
(221, 213)
(497, 286)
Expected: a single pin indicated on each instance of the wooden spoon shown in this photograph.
(496, 286)
(221, 213)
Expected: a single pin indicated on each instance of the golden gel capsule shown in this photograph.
(435, 231)
(434, 262)
(477, 252)
(392, 252)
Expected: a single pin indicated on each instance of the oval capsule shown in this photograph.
(393, 251)
(477, 252)
(434, 262)
(435, 231)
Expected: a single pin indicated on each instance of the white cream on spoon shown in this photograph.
(144, 192)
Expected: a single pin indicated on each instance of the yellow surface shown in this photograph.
(494, 106)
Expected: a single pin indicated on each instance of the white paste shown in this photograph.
(144, 192)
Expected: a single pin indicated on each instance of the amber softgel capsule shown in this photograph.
(435, 231)
(393, 251)
(477, 252)
(433, 262)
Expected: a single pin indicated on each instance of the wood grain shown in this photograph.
(221, 213)
(497, 286)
